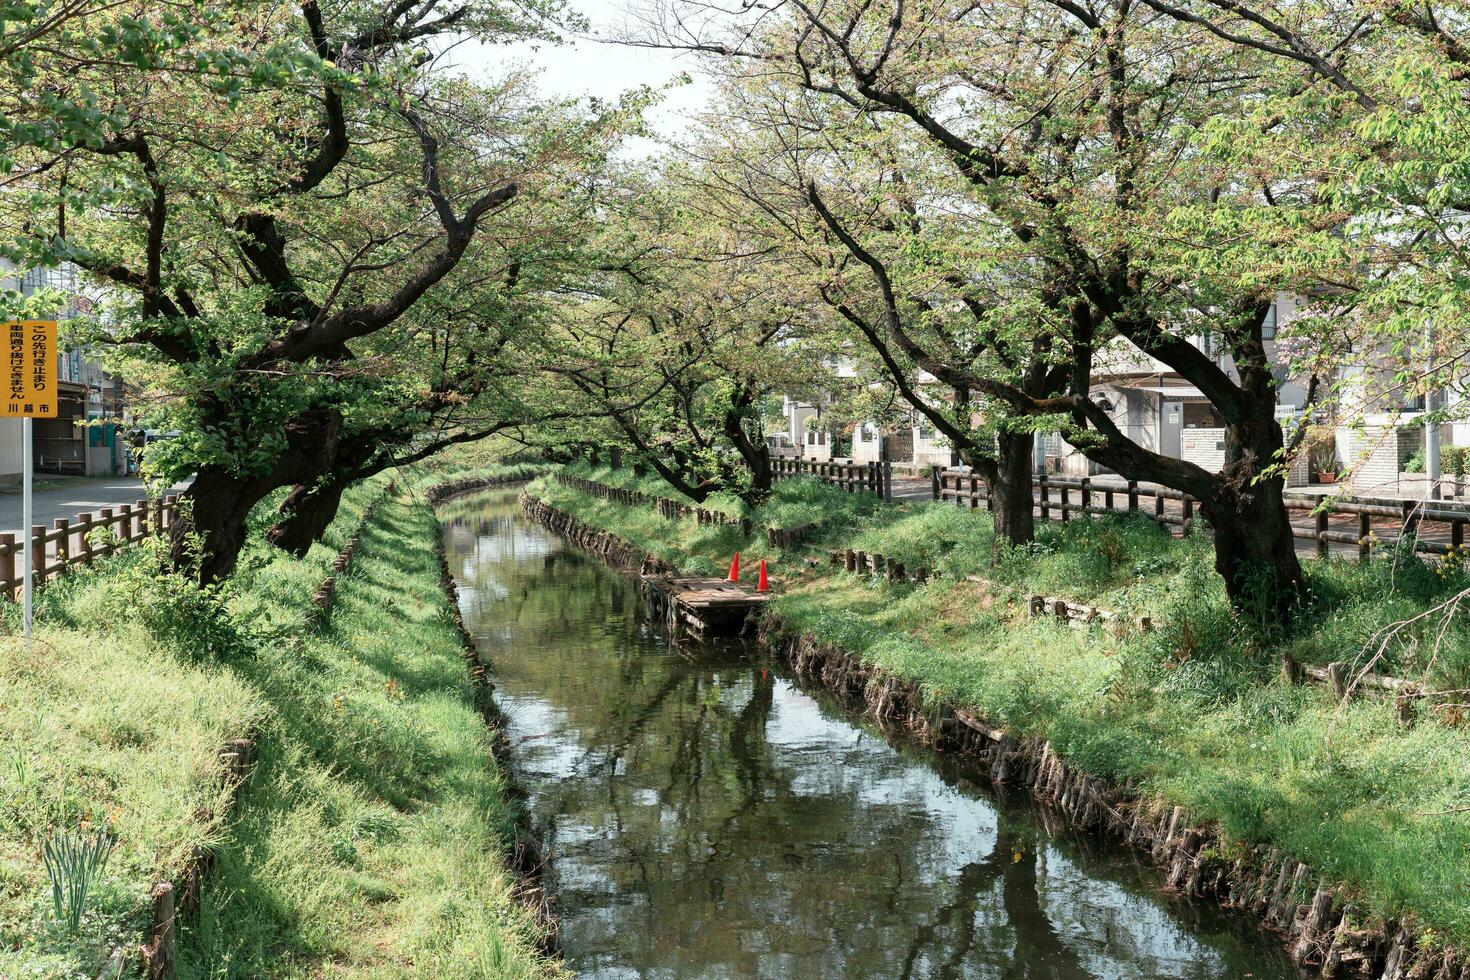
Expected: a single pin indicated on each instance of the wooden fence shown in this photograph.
(874, 478)
(70, 542)
(1059, 498)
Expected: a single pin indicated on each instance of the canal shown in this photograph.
(704, 816)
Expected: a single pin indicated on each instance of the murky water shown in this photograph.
(705, 817)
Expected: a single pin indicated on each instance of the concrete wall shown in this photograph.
(816, 445)
(867, 443)
(796, 416)
(10, 451)
(1377, 454)
(1203, 447)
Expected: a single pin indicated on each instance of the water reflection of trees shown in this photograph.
(706, 819)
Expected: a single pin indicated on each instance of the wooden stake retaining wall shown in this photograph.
(441, 492)
(171, 899)
(603, 544)
(1320, 925)
(1065, 611)
(526, 860)
(321, 599)
(665, 507)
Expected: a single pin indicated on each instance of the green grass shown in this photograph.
(371, 837)
(101, 727)
(1193, 712)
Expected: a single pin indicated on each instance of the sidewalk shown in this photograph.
(69, 501)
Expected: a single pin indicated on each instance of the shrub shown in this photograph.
(188, 619)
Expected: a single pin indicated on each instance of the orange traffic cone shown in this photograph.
(762, 584)
(734, 575)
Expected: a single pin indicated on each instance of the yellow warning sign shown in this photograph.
(30, 369)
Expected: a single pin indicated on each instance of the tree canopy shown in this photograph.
(322, 254)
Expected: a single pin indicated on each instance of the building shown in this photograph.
(83, 439)
(1371, 447)
(811, 431)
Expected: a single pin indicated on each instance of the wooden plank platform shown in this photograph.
(704, 605)
(703, 593)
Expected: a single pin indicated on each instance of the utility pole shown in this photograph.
(1431, 426)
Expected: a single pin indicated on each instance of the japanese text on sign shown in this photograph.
(30, 369)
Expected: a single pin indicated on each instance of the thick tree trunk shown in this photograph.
(1010, 483)
(220, 501)
(205, 541)
(757, 458)
(305, 514)
(1012, 489)
(1255, 551)
(761, 477)
(311, 504)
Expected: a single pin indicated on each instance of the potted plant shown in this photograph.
(1322, 455)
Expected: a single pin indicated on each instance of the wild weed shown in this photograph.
(75, 862)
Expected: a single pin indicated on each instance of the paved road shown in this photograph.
(69, 501)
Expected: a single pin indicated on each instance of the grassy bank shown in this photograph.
(371, 837)
(1193, 712)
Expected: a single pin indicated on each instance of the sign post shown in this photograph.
(30, 393)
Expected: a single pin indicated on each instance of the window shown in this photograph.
(1200, 415)
(869, 433)
(927, 432)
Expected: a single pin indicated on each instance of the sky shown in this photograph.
(587, 66)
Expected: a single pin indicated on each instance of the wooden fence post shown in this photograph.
(38, 553)
(974, 490)
(1132, 494)
(885, 473)
(105, 516)
(1086, 494)
(1322, 547)
(1365, 531)
(934, 481)
(63, 541)
(8, 577)
(1045, 499)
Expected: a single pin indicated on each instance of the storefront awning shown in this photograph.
(1167, 392)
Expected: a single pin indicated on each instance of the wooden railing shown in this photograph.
(1434, 527)
(71, 542)
(874, 478)
(1055, 494)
